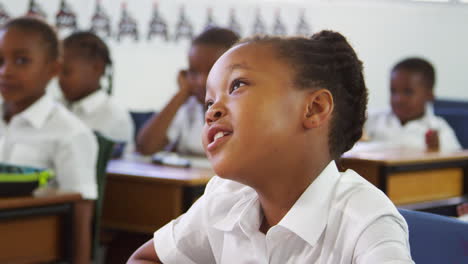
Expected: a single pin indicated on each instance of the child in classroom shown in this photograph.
(86, 60)
(34, 130)
(178, 126)
(411, 122)
(279, 112)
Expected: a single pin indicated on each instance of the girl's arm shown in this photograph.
(153, 135)
(146, 254)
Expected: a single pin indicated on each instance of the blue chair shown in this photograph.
(445, 103)
(139, 119)
(436, 239)
(458, 120)
(455, 112)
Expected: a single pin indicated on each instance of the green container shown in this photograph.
(21, 180)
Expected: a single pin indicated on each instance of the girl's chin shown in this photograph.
(224, 170)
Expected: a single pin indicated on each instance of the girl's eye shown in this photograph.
(21, 60)
(236, 84)
(408, 92)
(208, 104)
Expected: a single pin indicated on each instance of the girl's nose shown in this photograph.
(5, 69)
(214, 113)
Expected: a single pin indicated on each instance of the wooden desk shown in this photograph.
(409, 176)
(37, 229)
(141, 197)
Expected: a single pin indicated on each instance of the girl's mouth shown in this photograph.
(217, 136)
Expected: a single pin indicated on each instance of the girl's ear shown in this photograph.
(99, 67)
(431, 96)
(55, 67)
(319, 108)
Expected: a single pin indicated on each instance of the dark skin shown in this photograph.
(25, 70)
(79, 76)
(409, 95)
(153, 135)
(245, 88)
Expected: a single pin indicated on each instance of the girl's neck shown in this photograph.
(87, 93)
(277, 198)
(10, 109)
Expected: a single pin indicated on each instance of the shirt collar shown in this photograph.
(90, 102)
(309, 215)
(307, 218)
(245, 212)
(37, 113)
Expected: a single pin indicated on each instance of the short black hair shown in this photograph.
(40, 27)
(88, 45)
(216, 36)
(91, 47)
(327, 60)
(418, 65)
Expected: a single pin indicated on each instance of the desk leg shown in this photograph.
(69, 234)
(383, 178)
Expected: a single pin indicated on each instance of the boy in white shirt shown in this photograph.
(35, 131)
(86, 60)
(411, 123)
(273, 129)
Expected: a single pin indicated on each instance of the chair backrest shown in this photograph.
(444, 103)
(105, 151)
(139, 119)
(436, 239)
(455, 112)
(458, 120)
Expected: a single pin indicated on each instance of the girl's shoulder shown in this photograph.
(65, 121)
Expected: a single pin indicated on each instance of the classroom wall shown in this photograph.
(382, 32)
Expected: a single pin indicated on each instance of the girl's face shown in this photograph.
(254, 113)
(79, 76)
(201, 59)
(25, 66)
(409, 95)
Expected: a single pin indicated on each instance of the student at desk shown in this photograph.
(280, 111)
(411, 123)
(180, 123)
(37, 132)
(86, 60)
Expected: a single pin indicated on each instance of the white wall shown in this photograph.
(382, 32)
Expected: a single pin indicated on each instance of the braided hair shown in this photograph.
(327, 60)
(217, 36)
(89, 46)
(418, 65)
(37, 26)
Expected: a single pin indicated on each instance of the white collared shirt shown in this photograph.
(386, 128)
(186, 128)
(46, 135)
(101, 113)
(340, 218)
